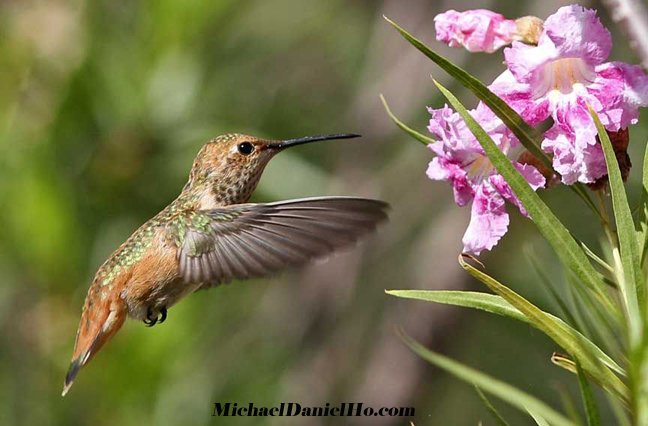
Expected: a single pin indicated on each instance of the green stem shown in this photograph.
(605, 220)
(579, 189)
(613, 241)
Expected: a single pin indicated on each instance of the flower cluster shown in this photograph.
(556, 78)
(461, 160)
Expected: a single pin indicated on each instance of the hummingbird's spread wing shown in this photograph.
(254, 240)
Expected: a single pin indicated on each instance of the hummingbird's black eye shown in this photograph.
(245, 148)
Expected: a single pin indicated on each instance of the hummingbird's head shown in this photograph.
(232, 164)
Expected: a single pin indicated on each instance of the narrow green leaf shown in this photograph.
(632, 280)
(528, 136)
(571, 310)
(595, 316)
(639, 362)
(568, 338)
(491, 409)
(582, 193)
(469, 299)
(568, 404)
(620, 412)
(497, 305)
(591, 410)
(544, 280)
(594, 256)
(567, 249)
(540, 421)
(502, 390)
(642, 234)
(413, 133)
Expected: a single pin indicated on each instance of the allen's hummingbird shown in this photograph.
(210, 235)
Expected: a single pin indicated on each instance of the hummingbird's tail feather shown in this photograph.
(100, 321)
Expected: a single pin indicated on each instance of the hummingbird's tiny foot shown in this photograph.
(150, 321)
(163, 311)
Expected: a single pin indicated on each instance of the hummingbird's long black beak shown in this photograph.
(309, 139)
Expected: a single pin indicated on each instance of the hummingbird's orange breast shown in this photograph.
(154, 282)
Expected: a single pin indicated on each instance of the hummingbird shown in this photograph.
(211, 235)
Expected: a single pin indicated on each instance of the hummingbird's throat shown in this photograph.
(235, 188)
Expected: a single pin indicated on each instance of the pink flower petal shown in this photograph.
(519, 96)
(442, 169)
(530, 173)
(488, 221)
(622, 88)
(575, 163)
(457, 140)
(476, 30)
(576, 32)
(524, 60)
(571, 32)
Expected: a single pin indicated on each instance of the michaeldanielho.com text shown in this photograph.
(293, 409)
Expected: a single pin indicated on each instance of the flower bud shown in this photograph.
(529, 29)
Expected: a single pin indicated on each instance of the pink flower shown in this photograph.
(559, 77)
(476, 30)
(461, 161)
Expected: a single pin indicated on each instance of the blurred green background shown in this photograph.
(103, 106)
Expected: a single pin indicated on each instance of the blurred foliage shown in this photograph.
(104, 104)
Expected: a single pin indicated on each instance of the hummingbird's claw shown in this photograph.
(150, 321)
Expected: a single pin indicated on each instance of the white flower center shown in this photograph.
(563, 77)
(480, 168)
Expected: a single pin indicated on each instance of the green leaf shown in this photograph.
(561, 333)
(413, 133)
(497, 305)
(580, 190)
(631, 280)
(567, 249)
(567, 402)
(591, 411)
(555, 296)
(530, 137)
(642, 233)
(594, 256)
(491, 409)
(620, 412)
(469, 299)
(639, 362)
(606, 327)
(540, 421)
(502, 390)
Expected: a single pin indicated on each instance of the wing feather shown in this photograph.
(221, 255)
(252, 255)
(254, 240)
